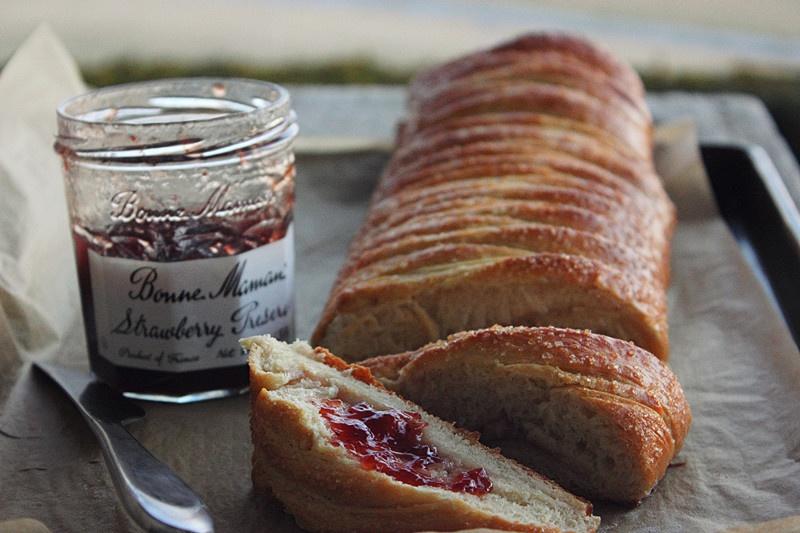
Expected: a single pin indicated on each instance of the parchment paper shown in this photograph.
(730, 349)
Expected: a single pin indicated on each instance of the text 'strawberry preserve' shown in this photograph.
(180, 195)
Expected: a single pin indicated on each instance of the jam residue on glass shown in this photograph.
(390, 441)
(185, 240)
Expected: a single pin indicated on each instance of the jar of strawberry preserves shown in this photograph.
(180, 196)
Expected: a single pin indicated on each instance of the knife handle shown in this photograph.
(155, 497)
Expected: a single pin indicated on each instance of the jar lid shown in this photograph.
(175, 119)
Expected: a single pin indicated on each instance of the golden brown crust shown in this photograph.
(582, 146)
(628, 386)
(547, 68)
(358, 372)
(529, 119)
(532, 237)
(498, 214)
(432, 176)
(648, 231)
(587, 51)
(407, 204)
(534, 97)
(486, 160)
(642, 177)
(437, 256)
(563, 49)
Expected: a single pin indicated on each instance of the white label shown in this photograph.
(189, 315)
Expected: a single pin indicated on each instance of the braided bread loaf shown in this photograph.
(522, 192)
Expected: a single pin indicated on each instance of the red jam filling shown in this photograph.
(180, 241)
(390, 441)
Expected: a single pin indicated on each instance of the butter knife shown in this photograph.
(154, 496)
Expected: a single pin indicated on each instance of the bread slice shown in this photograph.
(600, 415)
(299, 458)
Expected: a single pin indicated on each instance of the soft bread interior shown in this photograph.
(298, 376)
(583, 444)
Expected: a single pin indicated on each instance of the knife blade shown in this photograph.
(154, 496)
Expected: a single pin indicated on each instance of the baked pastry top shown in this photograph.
(521, 191)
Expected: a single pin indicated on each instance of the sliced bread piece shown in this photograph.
(344, 454)
(600, 415)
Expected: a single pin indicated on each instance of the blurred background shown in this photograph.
(696, 45)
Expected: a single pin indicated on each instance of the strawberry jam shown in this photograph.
(180, 196)
(390, 441)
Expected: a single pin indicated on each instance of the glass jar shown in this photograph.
(180, 197)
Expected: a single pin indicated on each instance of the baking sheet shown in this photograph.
(730, 350)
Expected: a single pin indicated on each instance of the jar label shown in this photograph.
(189, 315)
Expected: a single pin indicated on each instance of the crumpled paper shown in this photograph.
(39, 304)
(732, 353)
